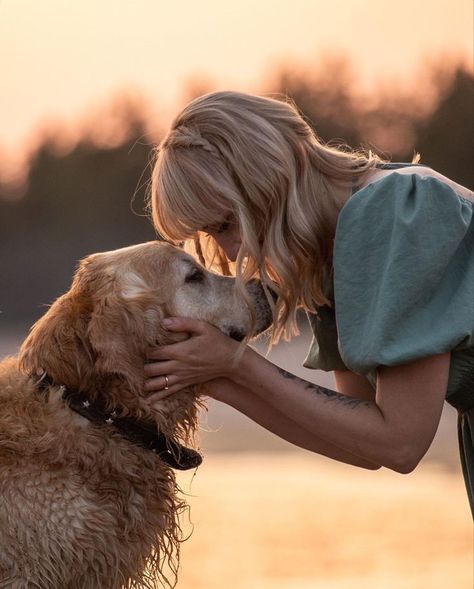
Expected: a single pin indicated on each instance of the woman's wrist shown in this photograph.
(242, 369)
(233, 378)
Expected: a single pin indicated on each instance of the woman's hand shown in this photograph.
(205, 355)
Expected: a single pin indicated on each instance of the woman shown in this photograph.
(381, 257)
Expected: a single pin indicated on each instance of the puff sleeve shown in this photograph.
(403, 272)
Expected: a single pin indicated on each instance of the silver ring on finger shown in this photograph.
(167, 383)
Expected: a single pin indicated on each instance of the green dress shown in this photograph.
(403, 289)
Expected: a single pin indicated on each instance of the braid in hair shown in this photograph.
(182, 137)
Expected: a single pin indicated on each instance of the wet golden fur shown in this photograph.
(83, 508)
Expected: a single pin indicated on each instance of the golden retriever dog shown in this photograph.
(88, 495)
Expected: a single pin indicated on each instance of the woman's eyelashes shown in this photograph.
(223, 227)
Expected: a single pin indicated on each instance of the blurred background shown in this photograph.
(87, 89)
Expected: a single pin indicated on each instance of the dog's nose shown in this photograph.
(236, 334)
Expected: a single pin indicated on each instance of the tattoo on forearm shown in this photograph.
(286, 374)
(324, 392)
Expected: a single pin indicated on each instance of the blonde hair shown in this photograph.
(254, 157)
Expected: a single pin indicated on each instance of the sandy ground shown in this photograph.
(295, 521)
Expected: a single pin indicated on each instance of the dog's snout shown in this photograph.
(262, 307)
(236, 334)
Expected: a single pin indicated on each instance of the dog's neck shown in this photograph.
(143, 433)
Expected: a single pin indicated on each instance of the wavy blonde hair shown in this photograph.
(256, 158)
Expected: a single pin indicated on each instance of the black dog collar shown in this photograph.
(140, 432)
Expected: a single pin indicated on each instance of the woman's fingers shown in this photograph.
(168, 352)
(205, 354)
(163, 394)
(160, 383)
(172, 351)
(153, 369)
(184, 324)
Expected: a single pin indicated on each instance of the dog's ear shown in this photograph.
(57, 343)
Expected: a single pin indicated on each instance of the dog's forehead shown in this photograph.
(142, 254)
(145, 263)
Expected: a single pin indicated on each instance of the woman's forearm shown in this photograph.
(378, 435)
(276, 422)
(338, 419)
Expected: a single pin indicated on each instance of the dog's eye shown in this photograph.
(196, 275)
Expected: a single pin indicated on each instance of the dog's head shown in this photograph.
(95, 337)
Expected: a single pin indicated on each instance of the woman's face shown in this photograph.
(227, 235)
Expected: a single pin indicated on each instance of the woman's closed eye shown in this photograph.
(224, 226)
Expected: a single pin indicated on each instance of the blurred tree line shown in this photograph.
(91, 196)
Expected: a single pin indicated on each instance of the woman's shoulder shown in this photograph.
(409, 194)
(386, 175)
(421, 208)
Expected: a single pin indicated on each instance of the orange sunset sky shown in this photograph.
(61, 58)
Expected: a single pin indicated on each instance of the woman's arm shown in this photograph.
(354, 385)
(267, 416)
(393, 430)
